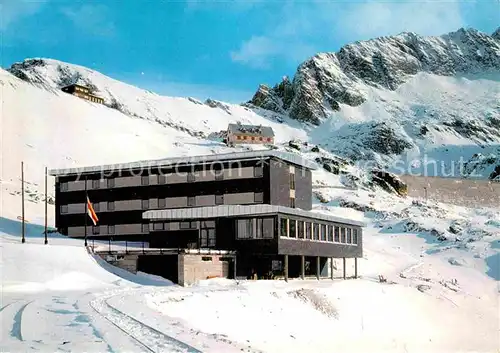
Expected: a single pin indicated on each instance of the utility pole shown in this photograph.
(23, 239)
(46, 240)
(86, 210)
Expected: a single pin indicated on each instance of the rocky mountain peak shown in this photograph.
(326, 81)
(496, 34)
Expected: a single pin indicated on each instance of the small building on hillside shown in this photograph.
(239, 133)
(82, 92)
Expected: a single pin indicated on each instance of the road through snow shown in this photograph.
(60, 298)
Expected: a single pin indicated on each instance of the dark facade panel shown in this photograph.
(279, 183)
(289, 246)
(303, 189)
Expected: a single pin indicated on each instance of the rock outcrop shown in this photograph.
(327, 80)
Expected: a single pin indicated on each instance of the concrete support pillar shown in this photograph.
(331, 268)
(235, 267)
(355, 267)
(286, 268)
(317, 267)
(303, 267)
(343, 267)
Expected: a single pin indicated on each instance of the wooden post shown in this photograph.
(331, 268)
(286, 268)
(303, 267)
(343, 267)
(355, 267)
(23, 239)
(46, 240)
(317, 267)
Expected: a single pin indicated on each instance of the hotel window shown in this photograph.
(111, 229)
(301, 229)
(292, 202)
(315, 231)
(337, 235)
(245, 229)
(162, 179)
(95, 229)
(162, 203)
(96, 183)
(191, 201)
(258, 197)
(258, 228)
(323, 232)
(283, 227)
(219, 199)
(258, 172)
(219, 174)
(145, 180)
(111, 183)
(349, 236)
(63, 186)
(330, 233)
(95, 206)
(64, 209)
(145, 204)
(355, 236)
(158, 226)
(308, 230)
(342, 235)
(111, 205)
(268, 228)
(190, 177)
(145, 228)
(292, 181)
(211, 238)
(185, 225)
(293, 228)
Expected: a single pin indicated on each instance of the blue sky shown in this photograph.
(219, 49)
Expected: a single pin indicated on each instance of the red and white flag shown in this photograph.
(91, 212)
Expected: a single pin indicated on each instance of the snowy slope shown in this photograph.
(429, 117)
(184, 114)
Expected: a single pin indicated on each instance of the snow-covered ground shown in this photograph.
(441, 262)
(437, 298)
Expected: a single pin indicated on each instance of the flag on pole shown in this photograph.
(91, 212)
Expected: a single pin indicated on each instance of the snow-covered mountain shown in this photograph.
(403, 96)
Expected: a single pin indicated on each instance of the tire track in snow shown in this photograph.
(148, 337)
(6, 306)
(16, 327)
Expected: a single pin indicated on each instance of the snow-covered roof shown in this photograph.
(251, 130)
(285, 156)
(241, 210)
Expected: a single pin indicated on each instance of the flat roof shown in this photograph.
(189, 160)
(241, 210)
